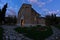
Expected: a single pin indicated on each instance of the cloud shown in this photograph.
(47, 11)
(49, 1)
(58, 15)
(44, 9)
(39, 3)
(10, 12)
(33, 1)
(16, 7)
(10, 7)
(1, 5)
(57, 12)
(53, 12)
(36, 2)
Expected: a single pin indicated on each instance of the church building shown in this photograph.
(27, 16)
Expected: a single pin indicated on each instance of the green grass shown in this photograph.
(1, 33)
(57, 26)
(36, 33)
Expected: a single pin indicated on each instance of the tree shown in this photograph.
(0, 16)
(51, 19)
(3, 12)
(15, 20)
(47, 20)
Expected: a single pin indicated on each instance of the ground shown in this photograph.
(1, 33)
(36, 32)
(10, 33)
(56, 34)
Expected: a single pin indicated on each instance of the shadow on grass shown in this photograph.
(36, 32)
(57, 26)
(1, 33)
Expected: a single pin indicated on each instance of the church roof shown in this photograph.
(34, 11)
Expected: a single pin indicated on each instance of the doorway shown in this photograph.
(22, 22)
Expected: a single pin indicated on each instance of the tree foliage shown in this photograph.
(10, 20)
(51, 19)
(2, 14)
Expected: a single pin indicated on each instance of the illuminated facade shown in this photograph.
(27, 16)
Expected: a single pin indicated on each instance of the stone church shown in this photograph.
(27, 16)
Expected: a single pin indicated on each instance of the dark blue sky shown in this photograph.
(43, 7)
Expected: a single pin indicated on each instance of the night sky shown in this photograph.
(43, 7)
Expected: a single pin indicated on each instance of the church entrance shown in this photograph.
(22, 22)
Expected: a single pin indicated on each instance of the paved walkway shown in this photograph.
(10, 34)
(55, 35)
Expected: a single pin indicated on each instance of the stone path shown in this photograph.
(55, 35)
(10, 34)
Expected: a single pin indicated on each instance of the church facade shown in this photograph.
(27, 16)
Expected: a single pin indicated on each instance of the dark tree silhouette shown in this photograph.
(2, 14)
(47, 20)
(51, 19)
(14, 20)
(4, 10)
(11, 20)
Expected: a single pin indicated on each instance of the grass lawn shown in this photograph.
(57, 26)
(1, 33)
(36, 33)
